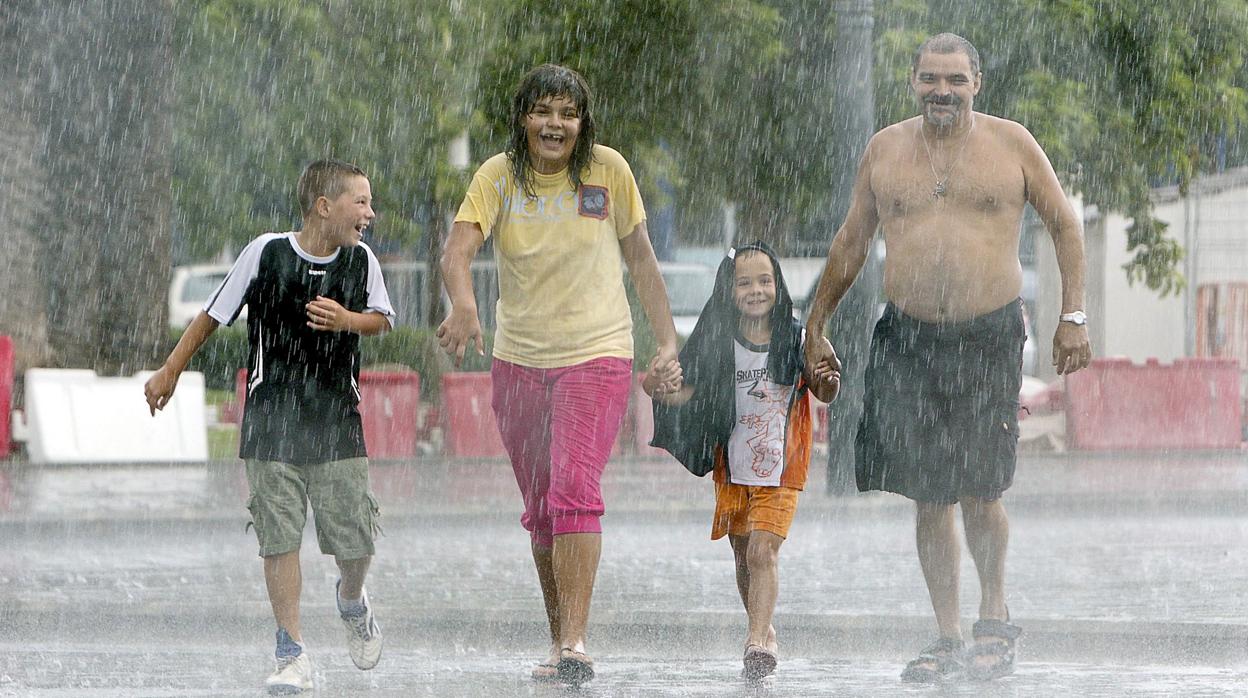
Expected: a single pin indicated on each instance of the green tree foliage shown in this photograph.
(1122, 95)
(87, 94)
(266, 86)
(726, 100)
(712, 96)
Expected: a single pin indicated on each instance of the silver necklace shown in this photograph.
(942, 182)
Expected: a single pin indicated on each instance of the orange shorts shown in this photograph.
(741, 509)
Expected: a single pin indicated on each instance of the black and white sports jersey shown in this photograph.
(302, 384)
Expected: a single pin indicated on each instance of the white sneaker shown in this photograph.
(363, 634)
(292, 675)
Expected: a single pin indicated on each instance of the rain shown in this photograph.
(149, 146)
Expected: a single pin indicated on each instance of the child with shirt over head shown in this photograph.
(310, 296)
(743, 412)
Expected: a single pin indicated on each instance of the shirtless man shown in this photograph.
(939, 421)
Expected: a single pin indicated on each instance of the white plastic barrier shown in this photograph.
(75, 416)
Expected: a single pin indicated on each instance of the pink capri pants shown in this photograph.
(558, 426)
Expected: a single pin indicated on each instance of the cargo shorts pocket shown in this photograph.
(1003, 447)
(252, 509)
(374, 516)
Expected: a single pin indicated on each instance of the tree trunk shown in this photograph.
(850, 327)
(761, 220)
(101, 76)
(23, 192)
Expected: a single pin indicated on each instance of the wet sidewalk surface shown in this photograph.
(1215, 482)
(1128, 575)
(235, 670)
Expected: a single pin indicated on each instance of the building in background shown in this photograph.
(1209, 317)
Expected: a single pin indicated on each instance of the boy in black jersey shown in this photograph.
(310, 295)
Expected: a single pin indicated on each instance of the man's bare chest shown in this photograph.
(910, 188)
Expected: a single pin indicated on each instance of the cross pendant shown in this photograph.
(939, 191)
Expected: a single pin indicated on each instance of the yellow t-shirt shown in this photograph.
(560, 272)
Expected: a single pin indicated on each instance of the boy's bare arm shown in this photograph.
(159, 388)
(327, 315)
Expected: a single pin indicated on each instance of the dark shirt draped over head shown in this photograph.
(693, 431)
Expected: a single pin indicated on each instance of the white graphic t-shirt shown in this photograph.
(756, 447)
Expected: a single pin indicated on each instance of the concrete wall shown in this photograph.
(1211, 221)
(1122, 320)
(1135, 321)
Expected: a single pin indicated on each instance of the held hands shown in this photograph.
(825, 381)
(1071, 348)
(327, 315)
(823, 366)
(457, 331)
(664, 376)
(159, 389)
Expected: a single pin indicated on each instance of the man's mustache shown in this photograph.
(945, 101)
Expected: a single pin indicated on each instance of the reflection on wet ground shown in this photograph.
(1127, 576)
(78, 670)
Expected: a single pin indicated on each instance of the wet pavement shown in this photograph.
(1127, 572)
(235, 671)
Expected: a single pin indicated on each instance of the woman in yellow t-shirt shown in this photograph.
(566, 216)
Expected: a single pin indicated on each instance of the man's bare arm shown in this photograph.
(1045, 194)
(848, 252)
(1071, 348)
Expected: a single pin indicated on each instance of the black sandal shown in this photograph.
(996, 639)
(937, 662)
(574, 668)
(758, 662)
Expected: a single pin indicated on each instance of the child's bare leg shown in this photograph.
(575, 565)
(762, 555)
(739, 546)
(353, 573)
(284, 579)
(543, 559)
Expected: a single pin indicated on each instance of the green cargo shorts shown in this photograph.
(343, 506)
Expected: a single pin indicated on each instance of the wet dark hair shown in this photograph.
(549, 80)
(783, 307)
(327, 178)
(947, 43)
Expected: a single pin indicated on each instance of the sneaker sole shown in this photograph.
(366, 665)
(363, 667)
(287, 690)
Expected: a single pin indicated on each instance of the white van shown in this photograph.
(689, 287)
(189, 290)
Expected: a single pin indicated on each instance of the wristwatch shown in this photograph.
(1077, 317)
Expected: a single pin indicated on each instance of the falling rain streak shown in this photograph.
(144, 136)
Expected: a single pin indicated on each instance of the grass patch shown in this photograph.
(223, 442)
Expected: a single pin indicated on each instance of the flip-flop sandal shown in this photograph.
(545, 672)
(574, 668)
(758, 662)
(937, 662)
(996, 639)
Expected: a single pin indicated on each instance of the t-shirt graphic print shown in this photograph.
(756, 447)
